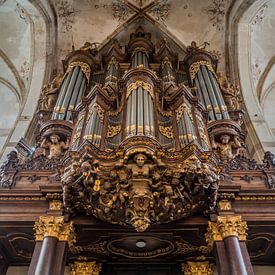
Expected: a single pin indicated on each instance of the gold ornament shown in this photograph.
(85, 68)
(232, 226)
(140, 49)
(50, 226)
(224, 205)
(197, 268)
(166, 131)
(85, 268)
(194, 68)
(96, 187)
(226, 226)
(113, 130)
(100, 111)
(146, 86)
(55, 205)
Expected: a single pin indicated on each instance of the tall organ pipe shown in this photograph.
(71, 92)
(209, 93)
(139, 111)
(140, 58)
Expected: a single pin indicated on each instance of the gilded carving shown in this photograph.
(226, 226)
(139, 49)
(232, 226)
(224, 205)
(49, 94)
(180, 111)
(197, 268)
(85, 68)
(139, 191)
(167, 131)
(100, 111)
(55, 146)
(113, 131)
(231, 93)
(55, 205)
(194, 68)
(227, 149)
(51, 226)
(139, 83)
(85, 268)
(182, 248)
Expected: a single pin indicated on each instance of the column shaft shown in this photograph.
(35, 257)
(235, 256)
(246, 258)
(45, 263)
(221, 259)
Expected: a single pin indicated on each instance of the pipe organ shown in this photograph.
(136, 138)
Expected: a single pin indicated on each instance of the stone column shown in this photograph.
(52, 236)
(227, 236)
(197, 268)
(85, 268)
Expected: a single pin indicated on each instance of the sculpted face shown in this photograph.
(225, 139)
(54, 139)
(140, 160)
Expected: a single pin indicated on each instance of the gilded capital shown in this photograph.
(85, 268)
(197, 268)
(212, 234)
(225, 226)
(50, 226)
(232, 226)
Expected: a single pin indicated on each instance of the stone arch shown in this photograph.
(41, 61)
(243, 20)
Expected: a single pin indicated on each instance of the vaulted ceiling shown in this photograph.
(36, 35)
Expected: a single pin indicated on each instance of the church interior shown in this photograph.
(137, 137)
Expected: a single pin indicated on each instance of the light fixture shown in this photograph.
(140, 243)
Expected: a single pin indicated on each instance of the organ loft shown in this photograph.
(139, 165)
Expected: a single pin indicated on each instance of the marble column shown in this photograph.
(85, 268)
(52, 236)
(197, 268)
(227, 236)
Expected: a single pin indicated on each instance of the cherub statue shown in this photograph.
(225, 148)
(50, 93)
(55, 146)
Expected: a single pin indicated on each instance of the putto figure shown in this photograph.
(55, 146)
(227, 149)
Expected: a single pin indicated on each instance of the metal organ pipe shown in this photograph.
(72, 90)
(209, 93)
